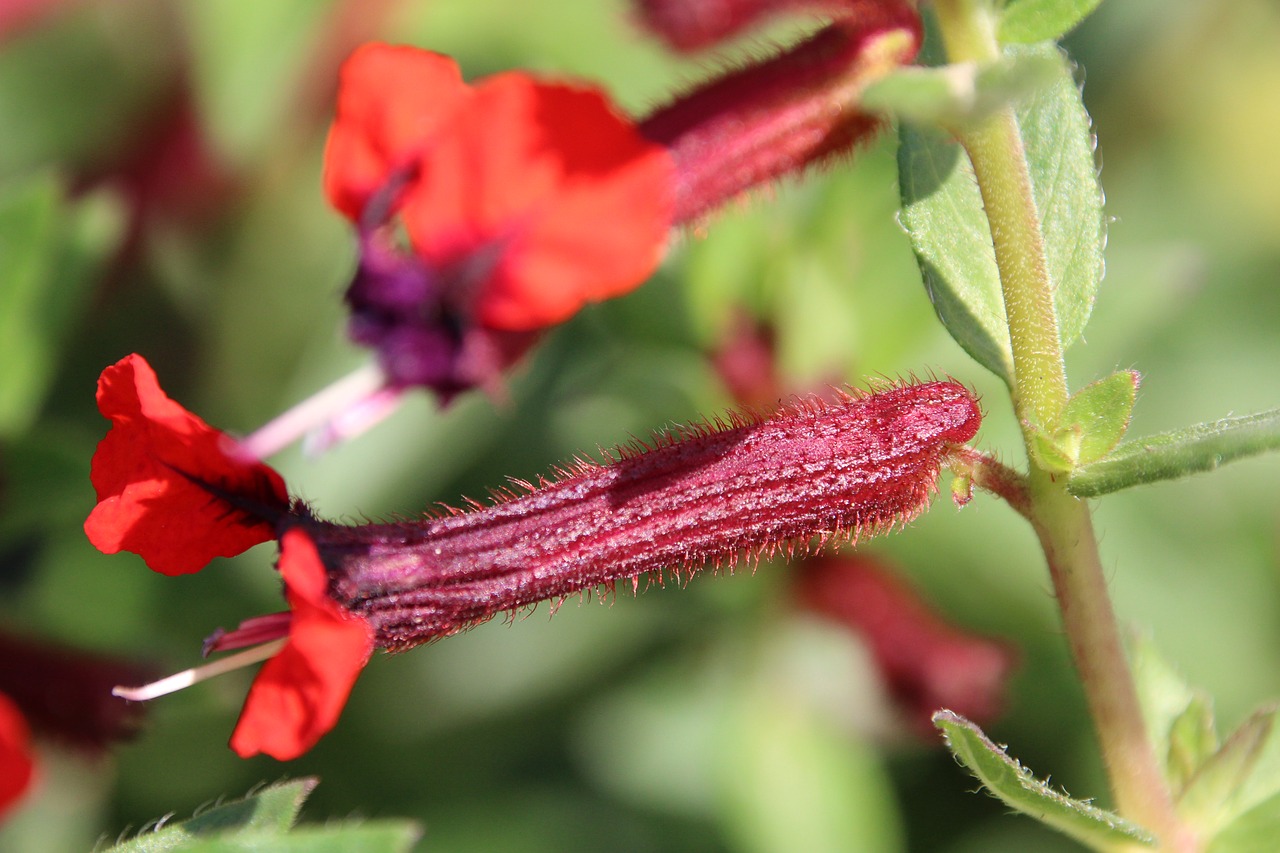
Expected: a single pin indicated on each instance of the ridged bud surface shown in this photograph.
(704, 496)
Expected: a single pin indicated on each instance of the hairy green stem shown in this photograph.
(1039, 390)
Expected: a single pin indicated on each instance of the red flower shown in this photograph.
(17, 767)
(170, 488)
(301, 690)
(539, 192)
(521, 201)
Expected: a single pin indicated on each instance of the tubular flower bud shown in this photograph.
(689, 25)
(780, 116)
(709, 494)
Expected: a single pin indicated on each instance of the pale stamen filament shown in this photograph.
(188, 677)
(318, 410)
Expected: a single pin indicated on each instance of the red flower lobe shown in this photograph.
(168, 487)
(299, 694)
(391, 102)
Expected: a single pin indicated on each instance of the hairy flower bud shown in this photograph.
(780, 116)
(706, 495)
(690, 25)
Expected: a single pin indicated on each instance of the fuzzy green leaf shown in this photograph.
(370, 837)
(272, 809)
(943, 214)
(1030, 21)
(1091, 425)
(952, 95)
(1018, 789)
(1175, 454)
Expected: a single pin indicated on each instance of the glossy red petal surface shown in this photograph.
(17, 766)
(299, 694)
(142, 470)
(391, 101)
(549, 192)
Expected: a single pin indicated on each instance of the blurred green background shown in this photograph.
(160, 193)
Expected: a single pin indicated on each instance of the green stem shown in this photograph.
(1039, 390)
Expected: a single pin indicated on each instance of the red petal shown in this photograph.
(548, 184)
(391, 100)
(142, 470)
(17, 767)
(300, 692)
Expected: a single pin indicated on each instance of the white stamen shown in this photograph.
(321, 408)
(186, 678)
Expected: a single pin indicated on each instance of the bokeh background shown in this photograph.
(160, 193)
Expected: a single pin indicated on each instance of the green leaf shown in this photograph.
(1017, 788)
(49, 251)
(1169, 703)
(371, 837)
(1030, 21)
(943, 214)
(1091, 424)
(1175, 454)
(952, 95)
(1211, 797)
(1193, 740)
(274, 808)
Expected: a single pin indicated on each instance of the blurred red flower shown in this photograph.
(927, 663)
(521, 201)
(17, 766)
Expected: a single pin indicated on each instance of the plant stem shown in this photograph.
(1039, 391)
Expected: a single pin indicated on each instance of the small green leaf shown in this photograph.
(1018, 789)
(1166, 701)
(1193, 740)
(1099, 413)
(274, 808)
(1175, 454)
(1052, 453)
(943, 214)
(1211, 797)
(1030, 21)
(952, 95)
(1091, 425)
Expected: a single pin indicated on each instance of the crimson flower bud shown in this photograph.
(783, 115)
(690, 25)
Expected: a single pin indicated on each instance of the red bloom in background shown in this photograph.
(521, 201)
(927, 663)
(300, 692)
(17, 766)
(163, 479)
